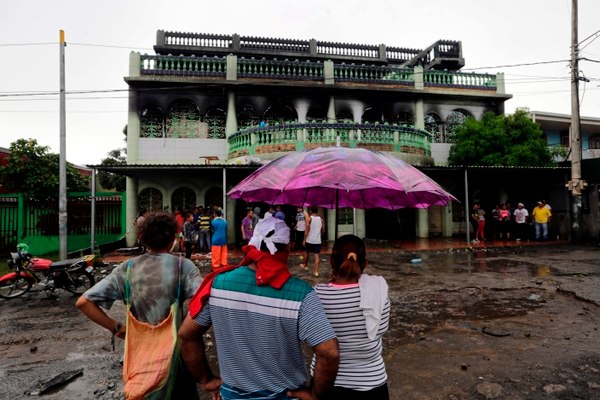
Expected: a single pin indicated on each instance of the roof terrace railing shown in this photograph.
(210, 44)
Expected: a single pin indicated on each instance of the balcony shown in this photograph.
(224, 69)
(294, 136)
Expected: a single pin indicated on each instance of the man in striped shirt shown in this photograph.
(260, 315)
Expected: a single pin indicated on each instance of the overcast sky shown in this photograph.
(100, 35)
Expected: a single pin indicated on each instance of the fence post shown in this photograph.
(20, 217)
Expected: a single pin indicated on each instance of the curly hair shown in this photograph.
(157, 231)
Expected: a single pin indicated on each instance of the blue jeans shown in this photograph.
(204, 240)
(541, 230)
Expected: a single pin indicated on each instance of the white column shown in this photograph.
(447, 222)
(231, 125)
(422, 228)
(131, 185)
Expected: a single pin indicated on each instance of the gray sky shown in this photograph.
(101, 33)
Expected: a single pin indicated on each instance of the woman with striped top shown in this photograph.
(358, 308)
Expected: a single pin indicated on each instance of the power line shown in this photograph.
(110, 46)
(518, 65)
(25, 44)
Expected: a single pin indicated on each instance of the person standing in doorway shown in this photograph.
(204, 231)
(315, 227)
(247, 227)
(219, 241)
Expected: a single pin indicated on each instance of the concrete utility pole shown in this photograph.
(62, 187)
(576, 184)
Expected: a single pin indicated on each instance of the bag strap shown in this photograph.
(127, 285)
(179, 279)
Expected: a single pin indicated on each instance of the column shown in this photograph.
(361, 227)
(231, 122)
(331, 220)
(133, 116)
(131, 200)
(422, 228)
(447, 222)
(302, 107)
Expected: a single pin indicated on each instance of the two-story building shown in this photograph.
(206, 109)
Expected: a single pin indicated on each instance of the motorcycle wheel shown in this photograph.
(15, 287)
(81, 281)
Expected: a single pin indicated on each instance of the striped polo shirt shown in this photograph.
(361, 364)
(259, 330)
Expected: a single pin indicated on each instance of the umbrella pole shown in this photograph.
(337, 199)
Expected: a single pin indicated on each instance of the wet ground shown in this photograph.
(484, 323)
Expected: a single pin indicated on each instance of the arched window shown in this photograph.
(183, 198)
(594, 142)
(345, 117)
(183, 120)
(405, 118)
(215, 121)
(214, 197)
(152, 123)
(455, 119)
(433, 125)
(372, 115)
(150, 199)
(248, 117)
(279, 113)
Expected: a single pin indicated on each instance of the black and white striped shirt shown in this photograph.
(361, 363)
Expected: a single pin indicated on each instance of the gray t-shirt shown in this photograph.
(153, 283)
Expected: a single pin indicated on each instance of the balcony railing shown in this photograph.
(295, 136)
(274, 69)
(299, 70)
(459, 80)
(183, 66)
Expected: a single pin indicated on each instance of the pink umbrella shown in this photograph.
(341, 177)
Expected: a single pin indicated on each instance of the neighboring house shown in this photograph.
(206, 109)
(557, 128)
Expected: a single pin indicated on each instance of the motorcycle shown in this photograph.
(73, 275)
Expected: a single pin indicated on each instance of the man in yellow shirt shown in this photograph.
(541, 216)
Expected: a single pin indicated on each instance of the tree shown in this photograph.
(511, 140)
(109, 180)
(33, 171)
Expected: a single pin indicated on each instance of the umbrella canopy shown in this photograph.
(341, 177)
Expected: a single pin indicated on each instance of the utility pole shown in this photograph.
(576, 184)
(62, 167)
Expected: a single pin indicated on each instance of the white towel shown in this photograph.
(373, 294)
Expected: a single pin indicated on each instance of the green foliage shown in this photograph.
(33, 171)
(511, 140)
(109, 180)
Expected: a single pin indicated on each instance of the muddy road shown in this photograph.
(510, 323)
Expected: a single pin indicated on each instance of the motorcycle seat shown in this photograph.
(63, 264)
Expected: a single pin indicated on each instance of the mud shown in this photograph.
(510, 323)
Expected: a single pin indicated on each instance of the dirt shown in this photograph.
(510, 323)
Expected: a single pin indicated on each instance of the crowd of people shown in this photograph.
(507, 223)
(260, 313)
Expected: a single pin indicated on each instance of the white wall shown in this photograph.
(180, 151)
